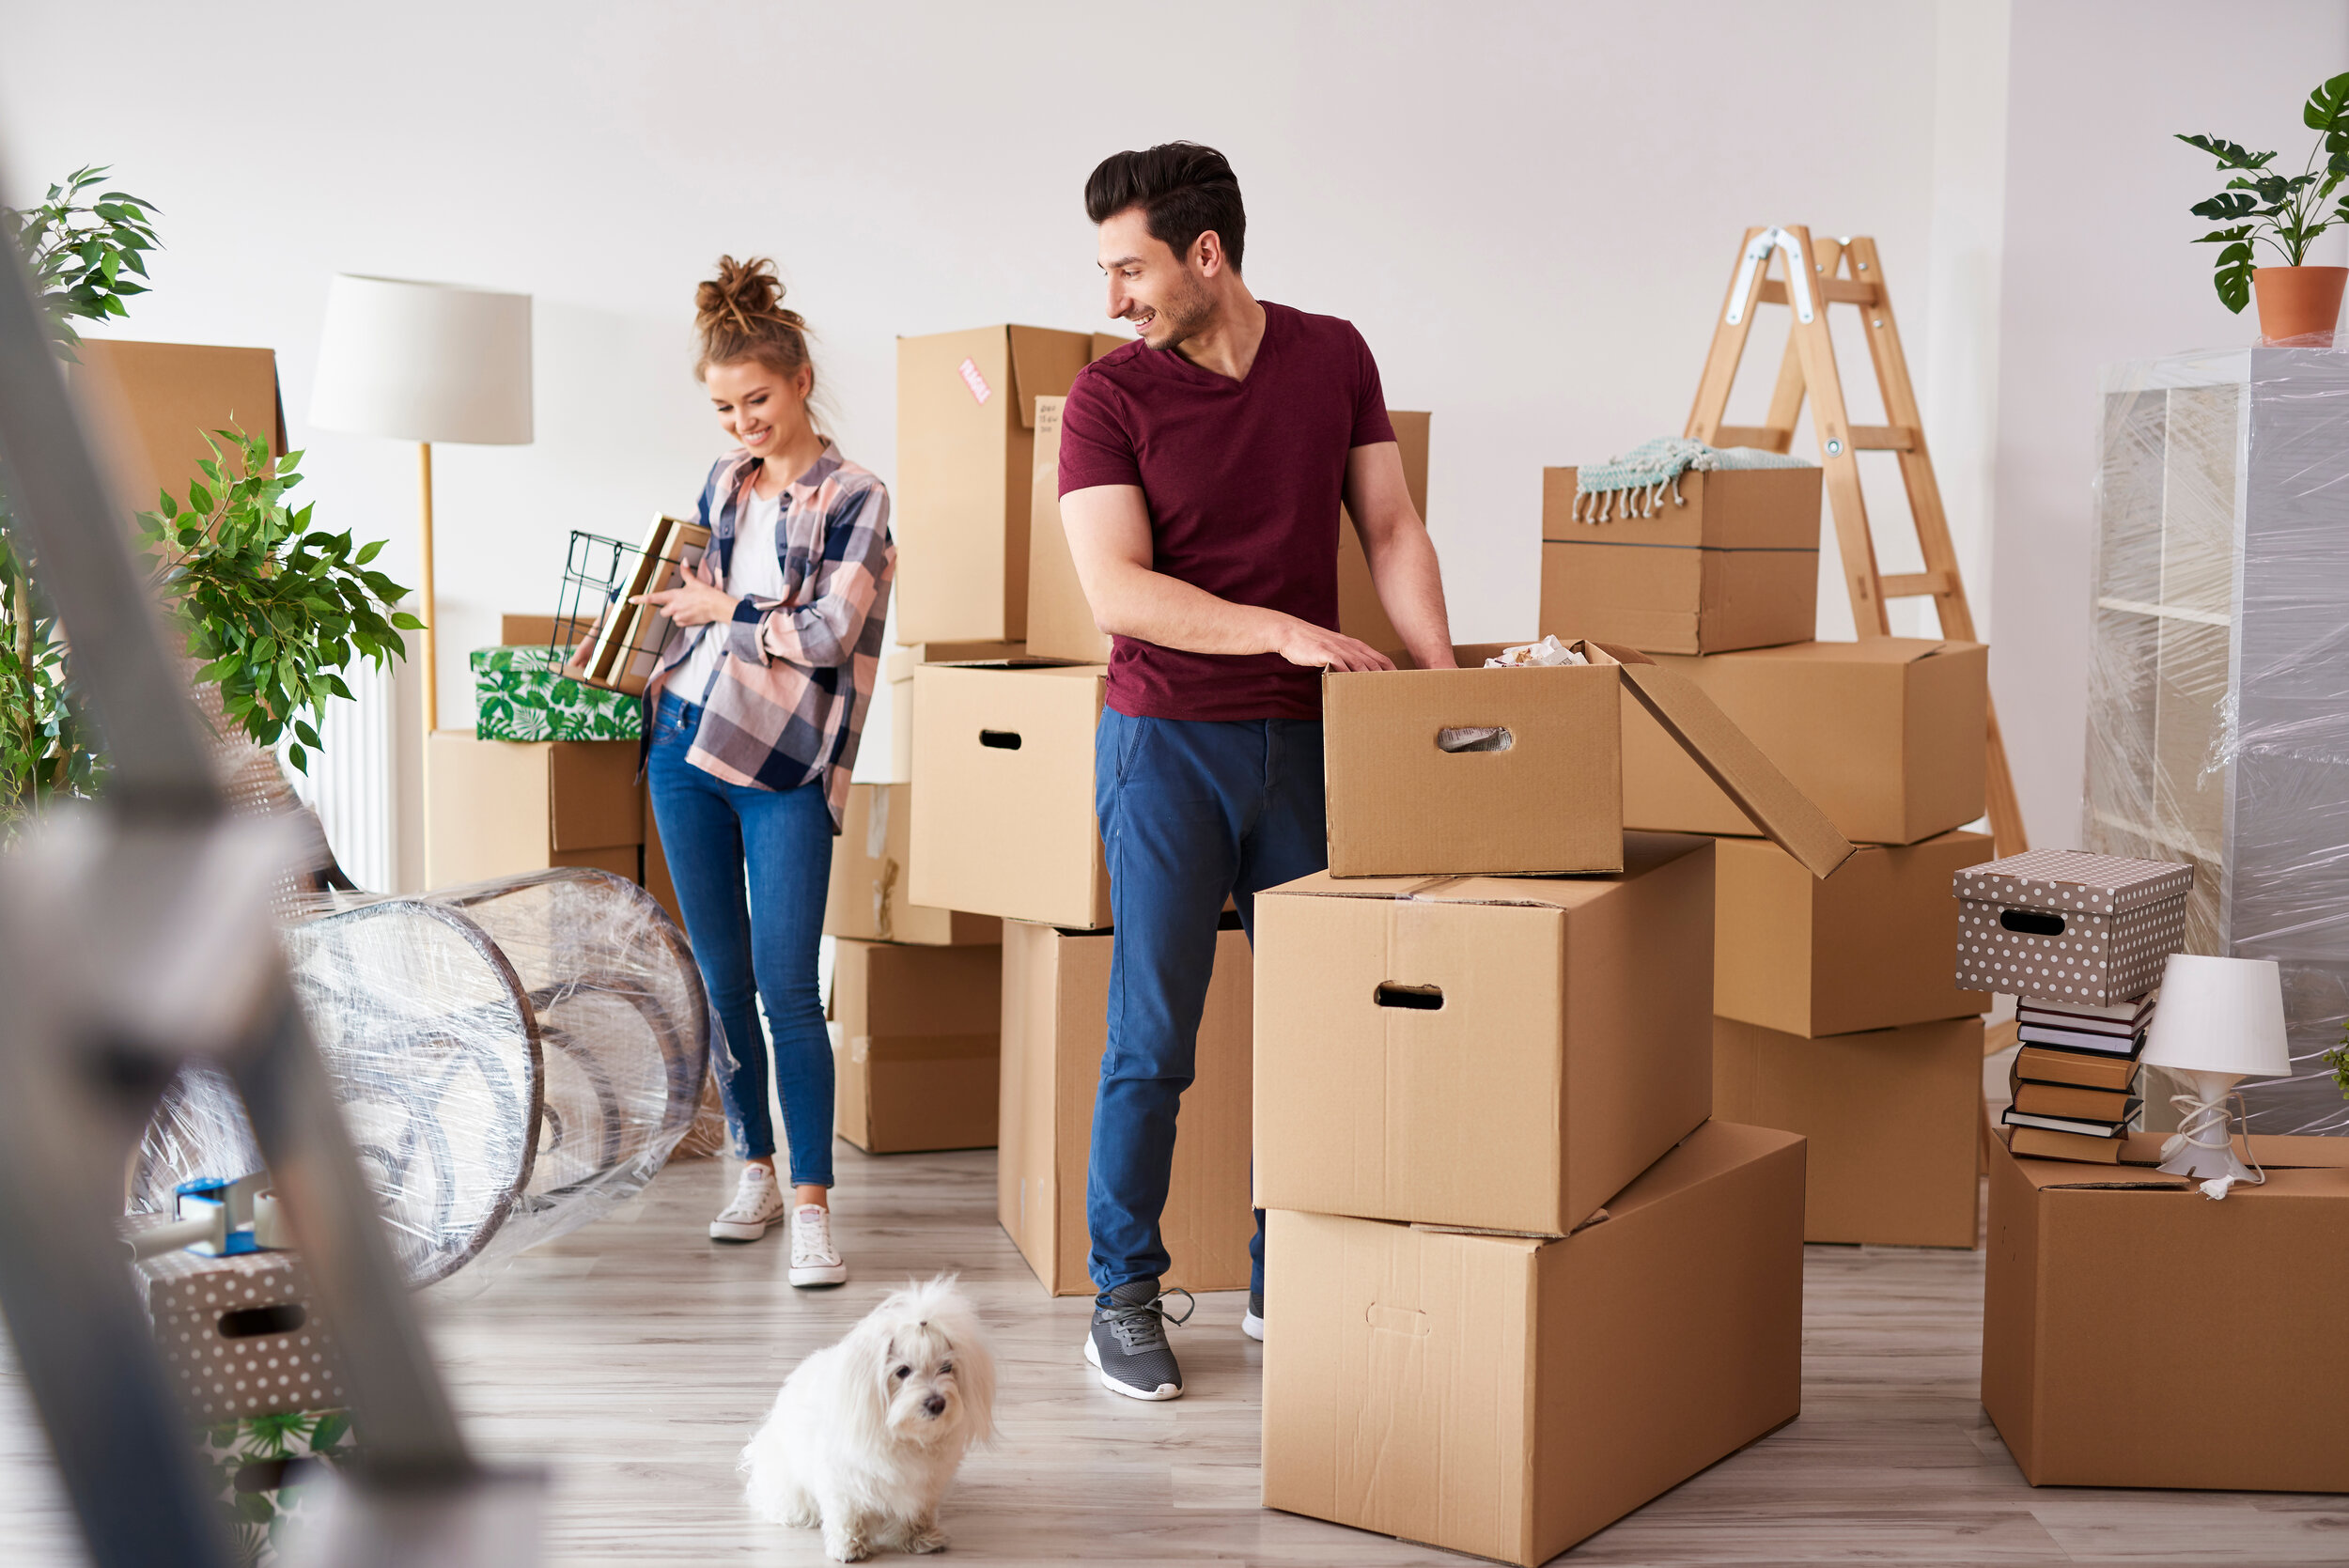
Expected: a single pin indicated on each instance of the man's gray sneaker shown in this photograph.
(1127, 1344)
(1253, 1325)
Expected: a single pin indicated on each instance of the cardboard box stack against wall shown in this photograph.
(1835, 1012)
(1510, 1247)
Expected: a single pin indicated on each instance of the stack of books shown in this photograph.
(2075, 1079)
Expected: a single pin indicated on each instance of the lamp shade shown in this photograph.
(427, 362)
(2220, 1015)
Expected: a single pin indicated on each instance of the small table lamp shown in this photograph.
(425, 362)
(2221, 1019)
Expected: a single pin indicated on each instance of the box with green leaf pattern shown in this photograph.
(522, 693)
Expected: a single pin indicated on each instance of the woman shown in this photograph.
(755, 710)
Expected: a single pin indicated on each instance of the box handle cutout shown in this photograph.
(1002, 740)
(1484, 737)
(2031, 922)
(249, 1323)
(1398, 1320)
(1424, 999)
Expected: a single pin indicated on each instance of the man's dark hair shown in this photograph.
(1183, 189)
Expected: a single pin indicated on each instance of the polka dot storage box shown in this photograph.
(241, 1334)
(2066, 925)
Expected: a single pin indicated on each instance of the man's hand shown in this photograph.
(1304, 642)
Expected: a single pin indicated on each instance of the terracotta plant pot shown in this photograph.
(2300, 301)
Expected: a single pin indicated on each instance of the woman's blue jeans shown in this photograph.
(765, 948)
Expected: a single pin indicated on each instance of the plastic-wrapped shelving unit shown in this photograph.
(2219, 679)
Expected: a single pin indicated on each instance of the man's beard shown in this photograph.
(1184, 319)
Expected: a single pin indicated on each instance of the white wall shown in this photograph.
(1531, 209)
(2100, 268)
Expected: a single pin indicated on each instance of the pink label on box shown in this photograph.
(976, 383)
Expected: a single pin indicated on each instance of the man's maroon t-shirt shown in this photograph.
(1243, 480)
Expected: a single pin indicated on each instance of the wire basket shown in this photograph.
(609, 639)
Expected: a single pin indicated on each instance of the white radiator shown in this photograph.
(349, 784)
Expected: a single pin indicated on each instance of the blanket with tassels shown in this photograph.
(1635, 484)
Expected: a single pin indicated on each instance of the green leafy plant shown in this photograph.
(273, 606)
(85, 255)
(2286, 211)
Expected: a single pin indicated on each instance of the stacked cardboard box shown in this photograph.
(915, 993)
(1836, 1016)
(1520, 1281)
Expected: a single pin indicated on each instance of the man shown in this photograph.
(1200, 472)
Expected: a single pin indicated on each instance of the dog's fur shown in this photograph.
(866, 1435)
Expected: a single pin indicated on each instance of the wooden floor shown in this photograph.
(635, 1357)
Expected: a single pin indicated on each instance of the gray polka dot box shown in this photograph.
(2066, 925)
(241, 1334)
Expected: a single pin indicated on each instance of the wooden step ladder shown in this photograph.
(1845, 272)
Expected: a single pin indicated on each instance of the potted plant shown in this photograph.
(2287, 213)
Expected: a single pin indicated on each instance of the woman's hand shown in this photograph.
(695, 603)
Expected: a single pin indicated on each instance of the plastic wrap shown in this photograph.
(513, 1058)
(2219, 677)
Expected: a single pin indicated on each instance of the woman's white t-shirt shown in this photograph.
(754, 571)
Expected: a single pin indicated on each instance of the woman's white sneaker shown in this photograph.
(757, 1203)
(815, 1261)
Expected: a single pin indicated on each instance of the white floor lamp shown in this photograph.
(425, 362)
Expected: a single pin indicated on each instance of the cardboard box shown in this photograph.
(916, 1035)
(268, 1473)
(966, 460)
(1003, 803)
(153, 404)
(522, 693)
(1887, 735)
(241, 1335)
(1508, 1396)
(533, 630)
(1506, 1054)
(871, 895)
(2103, 1283)
(1891, 1115)
(496, 807)
(1865, 949)
(899, 667)
(1735, 565)
(1541, 793)
(1056, 991)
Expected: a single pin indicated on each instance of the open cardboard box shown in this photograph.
(2135, 1333)
(1544, 795)
(966, 462)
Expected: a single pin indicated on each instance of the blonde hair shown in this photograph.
(740, 314)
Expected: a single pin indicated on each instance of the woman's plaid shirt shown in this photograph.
(788, 707)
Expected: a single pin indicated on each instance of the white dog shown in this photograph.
(867, 1433)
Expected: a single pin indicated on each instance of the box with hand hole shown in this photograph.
(1519, 771)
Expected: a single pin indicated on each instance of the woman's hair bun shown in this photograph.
(740, 314)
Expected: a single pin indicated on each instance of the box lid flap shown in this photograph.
(1043, 363)
(2074, 880)
(1787, 816)
(1641, 853)
(1867, 650)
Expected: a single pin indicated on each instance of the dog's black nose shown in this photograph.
(935, 1405)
